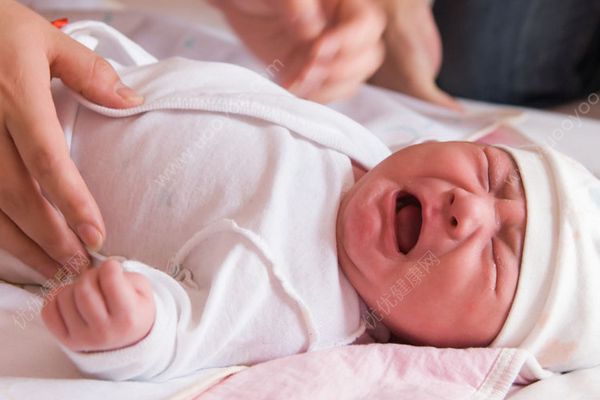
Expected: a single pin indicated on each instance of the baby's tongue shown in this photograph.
(408, 225)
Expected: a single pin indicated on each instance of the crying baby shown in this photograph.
(251, 225)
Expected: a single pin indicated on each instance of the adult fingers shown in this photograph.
(305, 18)
(13, 240)
(38, 137)
(297, 62)
(430, 92)
(352, 49)
(413, 75)
(328, 94)
(441, 98)
(359, 25)
(23, 207)
(343, 77)
(89, 74)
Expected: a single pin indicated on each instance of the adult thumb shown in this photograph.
(433, 94)
(306, 18)
(90, 75)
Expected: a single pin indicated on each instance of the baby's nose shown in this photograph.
(467, 212)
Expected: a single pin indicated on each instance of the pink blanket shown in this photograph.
(378, 371)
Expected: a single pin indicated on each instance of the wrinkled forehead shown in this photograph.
(452, 157)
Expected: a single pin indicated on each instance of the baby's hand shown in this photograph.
(105, 309)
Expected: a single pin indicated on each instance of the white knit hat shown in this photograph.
(556, 310)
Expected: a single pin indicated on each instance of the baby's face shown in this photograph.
(432, 238)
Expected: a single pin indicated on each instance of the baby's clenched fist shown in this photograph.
(105, 309)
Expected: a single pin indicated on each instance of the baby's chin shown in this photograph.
(442, 339)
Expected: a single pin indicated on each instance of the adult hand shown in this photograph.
(319, 49)
(45, 207)
(105, 309)
(413, 52)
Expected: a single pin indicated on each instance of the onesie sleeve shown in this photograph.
(151, 357)
(228, 310)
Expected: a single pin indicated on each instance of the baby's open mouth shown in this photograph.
(408, 221)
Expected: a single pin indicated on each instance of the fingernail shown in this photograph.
(90, 236)
(128, 94)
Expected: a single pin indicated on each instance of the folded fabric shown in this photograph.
(380, 371)
(555, 314)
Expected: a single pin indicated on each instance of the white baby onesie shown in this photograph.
(224, 189)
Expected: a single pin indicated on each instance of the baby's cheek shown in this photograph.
(388, 292)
